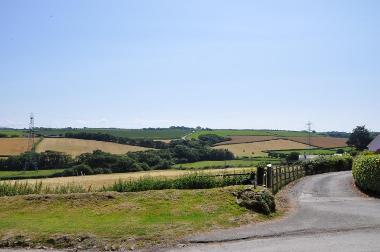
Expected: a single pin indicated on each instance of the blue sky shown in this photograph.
(219, 64)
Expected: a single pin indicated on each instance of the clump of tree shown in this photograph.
(360, 138)
(211, 139)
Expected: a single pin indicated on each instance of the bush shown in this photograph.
(366, 172)
(77, 170)
(292, 157)
(259, 201)
(327, 164)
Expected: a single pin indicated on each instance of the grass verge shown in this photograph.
(119, 220)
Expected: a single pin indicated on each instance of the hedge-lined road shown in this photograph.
(331, 216)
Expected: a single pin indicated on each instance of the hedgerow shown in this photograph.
(366, 172)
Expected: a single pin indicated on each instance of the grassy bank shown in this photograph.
(121, 219)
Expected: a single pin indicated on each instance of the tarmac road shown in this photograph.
(331, 216)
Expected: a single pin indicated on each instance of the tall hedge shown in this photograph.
(327, 164)
(366, 172)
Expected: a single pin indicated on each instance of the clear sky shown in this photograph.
(219, 64)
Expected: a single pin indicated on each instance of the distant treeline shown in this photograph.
(207, 139)
(149, 143)
(180, 151)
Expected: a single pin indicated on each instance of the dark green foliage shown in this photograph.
(360, 138)
(211, 139)
(366, 172)
(327, 164)
(340, 151)
(292, 157)
(32, 161)
(2, 135)
(77, 170)
(191, 181)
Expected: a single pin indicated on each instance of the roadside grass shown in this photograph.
(138, 219)
(228, 163)
(28, 174)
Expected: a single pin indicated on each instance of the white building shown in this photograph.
(375, 144)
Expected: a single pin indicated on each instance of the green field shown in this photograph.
(163, 133)
(232, 132)
(11, 132)
(27, 174)
(228, 163)
(136, 219)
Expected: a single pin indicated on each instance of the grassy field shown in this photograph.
(232, 132)
(258, 148)
(22, 174)
(76, 147)
(11, 132)
(126, 220)
(13, 146)
(100, 180)
(227, 163)
(164, 133)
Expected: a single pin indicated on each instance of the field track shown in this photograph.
(100, 180)
(13, 146)
(75, 147)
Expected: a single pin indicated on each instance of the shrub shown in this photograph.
(327, 164)
(292, 157)
(366, 172)
(259, 201)
(77, 170)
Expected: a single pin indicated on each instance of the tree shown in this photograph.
(359, 138)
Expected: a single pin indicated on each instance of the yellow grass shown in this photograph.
(75, 147)
(257, 148)
(13, 146)
(97, 181)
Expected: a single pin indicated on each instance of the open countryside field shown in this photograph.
(13, 146)
(75, 147)
(248, 132)
(127, 220)
(162, 133)
(22, 174)
(13, 132)
(258, 148)
(315, 151)
(317, 141)
(100, 180)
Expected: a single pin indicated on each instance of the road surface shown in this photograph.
(331, 216)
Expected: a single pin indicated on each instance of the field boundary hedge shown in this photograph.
(366, 173)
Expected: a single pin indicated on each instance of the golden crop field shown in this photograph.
(75, 147)
(257, 148)
(100, 180)
(322, 142)
(13, 146)
(247, 139)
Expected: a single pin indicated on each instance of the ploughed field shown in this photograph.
(13, 146)
(75, 147)
(258, 148)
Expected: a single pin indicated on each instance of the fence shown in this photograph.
(277, 177)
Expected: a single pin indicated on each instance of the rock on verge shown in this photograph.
(260, 201)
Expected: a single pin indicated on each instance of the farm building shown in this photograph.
(375, 144)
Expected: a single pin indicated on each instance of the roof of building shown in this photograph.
(375, 144)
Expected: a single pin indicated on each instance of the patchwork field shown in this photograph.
(234, 132)
(151, 133)
(75, 147)
(258, 148)
(322, 142)
(100, 180)
(317, 141)
(13, 146)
